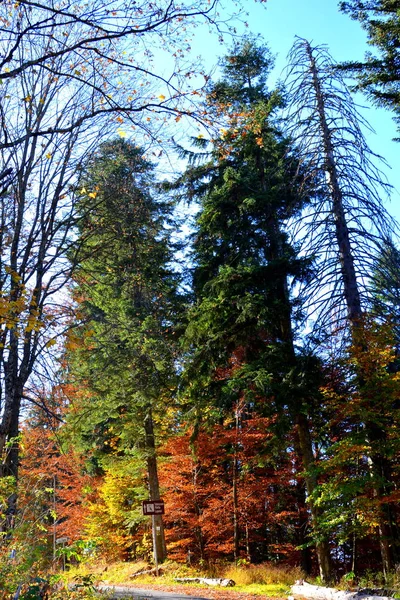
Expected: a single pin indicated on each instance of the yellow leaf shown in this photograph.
(161, 97)
(121, 133)
(48, 155)
(92, 194)
(83, 191)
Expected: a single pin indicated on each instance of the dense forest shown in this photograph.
(225, 339)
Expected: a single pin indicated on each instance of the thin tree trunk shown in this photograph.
(322, 546)
(236, 533)
(154, 487)
(354, 553)
(236, 550)
(303, 537)
(248, 552)
(197, 530)
(384, 515)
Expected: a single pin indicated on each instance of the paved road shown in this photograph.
(123, 591)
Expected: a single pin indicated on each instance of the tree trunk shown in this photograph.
(248, 552)
(236, 549)
(154, 488)
(380, 473)
(198, 533)
(303, 538)
(9, 426)
(236, 532)
(322, 546)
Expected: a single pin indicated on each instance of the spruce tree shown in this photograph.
(386, 285)
(379, 74)
(124, 355)
(240, 333)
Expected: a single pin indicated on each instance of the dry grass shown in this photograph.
(251, 580)
(264, 574)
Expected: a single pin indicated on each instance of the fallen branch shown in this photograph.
(147, 572)
(206, 581)
(316, 592)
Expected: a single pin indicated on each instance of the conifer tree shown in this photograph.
(379, 74)
(386, 286)
(240, 333)
(126, 293)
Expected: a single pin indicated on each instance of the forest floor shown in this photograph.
(251, 582)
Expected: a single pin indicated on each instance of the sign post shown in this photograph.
(153, 508)
(155, 550)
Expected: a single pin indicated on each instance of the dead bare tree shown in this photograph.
(37, 221)
(346, 221)
(346, 224)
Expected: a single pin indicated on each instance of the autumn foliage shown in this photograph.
(225, 475)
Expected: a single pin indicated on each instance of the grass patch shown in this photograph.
(265, 579)
(121, 572)
(272, 590)
(264, 574)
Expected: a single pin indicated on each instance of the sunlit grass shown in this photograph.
(265, 579)
(272, 590)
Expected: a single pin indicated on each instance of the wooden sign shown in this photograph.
(153, 507)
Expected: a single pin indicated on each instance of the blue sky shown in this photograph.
(319, 21)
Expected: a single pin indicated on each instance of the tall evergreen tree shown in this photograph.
(240, 332)
(127, 295)
(386, 285)
(379, 74)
